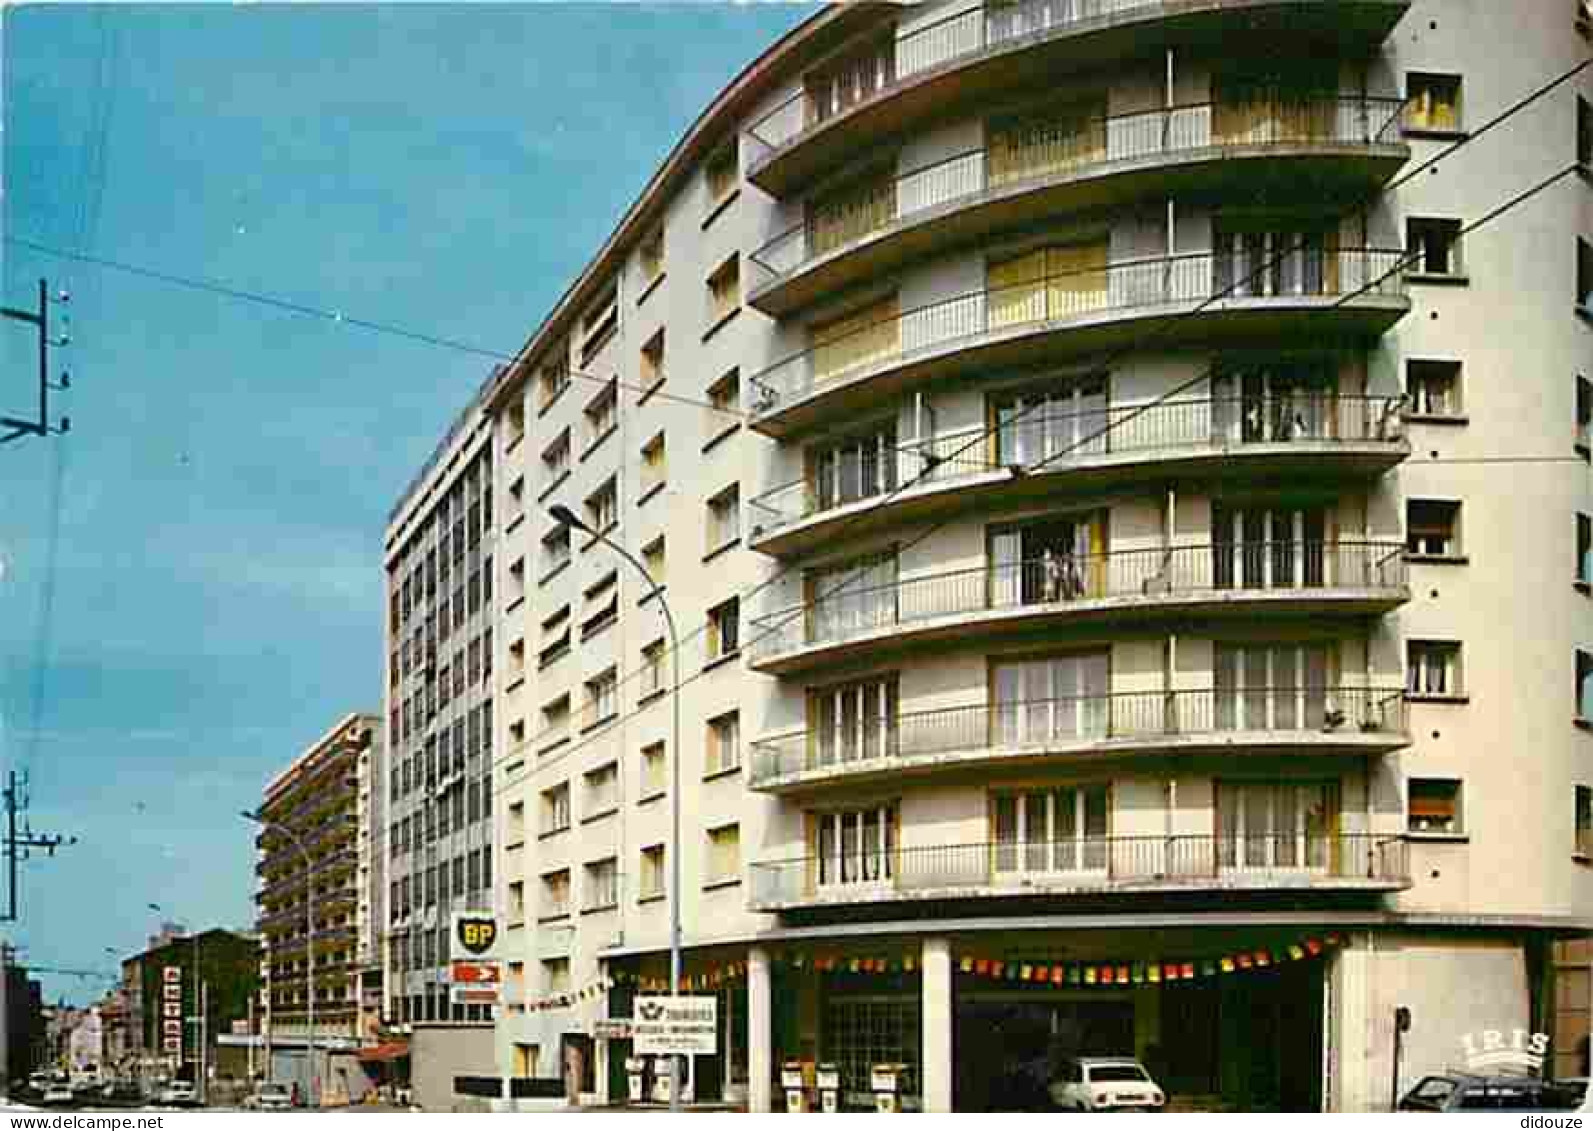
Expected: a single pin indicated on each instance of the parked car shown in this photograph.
(270, 1097)
(1105, 1083)
(1459, 1091)
(1577, 1085)
(58, 1092)
(178, 1093)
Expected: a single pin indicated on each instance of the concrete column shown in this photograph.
(937, 1009)
(760, 1032)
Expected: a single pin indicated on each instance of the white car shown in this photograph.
(179, 1093)
(270, 1097)
(1105, 1083)
(58, 1092)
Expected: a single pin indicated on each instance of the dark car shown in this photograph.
(1461, 1091)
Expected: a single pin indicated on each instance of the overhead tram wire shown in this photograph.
(1493, 214)
(337, 317)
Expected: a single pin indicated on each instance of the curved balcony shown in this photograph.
(1298, 721)
(1335, 148)
(847, 620)
(1345, 296)
(978, 54)
(1122, 446)
(1150, 865)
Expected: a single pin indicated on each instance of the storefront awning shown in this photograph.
(392, 1050)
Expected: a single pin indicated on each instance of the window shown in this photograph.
(553, 378)
(601, 414)
(555, 550)
(653, 559)
(724, 415)
(850, 597)
(599, 325)
(724, 855)
(652, 361)
(555, 975)
(853, 846)
(1252, 262)
(1584, 132)
(517, 902)
(1057, 698)
(1280, 686)
(724, 290)
(1584, 685)
(1584, 549)
(516, 823)
(724, 742)
(654, 465)
(724, 518)
(864, 337)
(556, 458)
(1584, 415)
(556, 808)
(1433, 388)
(858, 468)
(1434, 668)
(853, 721)
(555, 638)
(1433, 247)
(1584, 275)
(602, 698)
(724, 631)
(852, 79)
(1432, 103)
(1433, 806)
(651, 257)
(1050, 830)
(602, 605)
(1041, 424)
(601, 884)
(1266, 825)
(602, 791)
(650, 882)
(720, 174)
(555, 894)
(850, 212)
(556, 722)
(655, 770)
(1432, 528)
(602, 506)
(1584, 821)
(653, 679)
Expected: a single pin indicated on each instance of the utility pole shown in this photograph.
(18, 846)
(16, 428)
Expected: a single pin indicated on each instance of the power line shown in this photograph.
(337, 317)
(1400, 264)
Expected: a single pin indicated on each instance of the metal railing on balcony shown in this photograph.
(958, 36)
(1282, 861)
(1309, 272)
(1060, 440)
(1088, 143)
(843, 611)
(1025, 727)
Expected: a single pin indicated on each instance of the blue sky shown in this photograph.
(217, 587)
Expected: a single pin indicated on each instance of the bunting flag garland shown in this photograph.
(1097, 972)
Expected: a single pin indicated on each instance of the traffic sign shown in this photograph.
(476, 973)
(666, 1025)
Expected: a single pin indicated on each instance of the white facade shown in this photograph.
(1129, 542)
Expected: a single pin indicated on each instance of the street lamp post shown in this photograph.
(199, 1014)
(566, 517)
(309, 939)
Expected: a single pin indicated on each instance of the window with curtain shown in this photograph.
(1584, 684)
(865, 337)
(1272, 686)
(1050, 830)
(555, 894)
(849, 213)
(1432, 388)
(1046, 141)
(1259, 262)
(1048, 283)
(1432, 805)
(859, 467)
(650, 882)
(1057, 559)
(724, 854)
(1269, 547)
(1260, 106)
(847, 599)
(1273, 825)
(854, 78)
(1275, 403)
(855, 846)
(601, 883)
(1055, 699)
(724, 742)
(1052, 423)
(852, 721)
(1433, 667)
(1432, 103)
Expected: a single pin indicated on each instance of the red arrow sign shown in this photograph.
(478, 973)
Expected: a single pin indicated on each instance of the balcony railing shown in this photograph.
(844, 610)
(1083, 865)
(958, 36)
(1092, 723)
(1058, 441)
(1179, 131)
(1077, 295)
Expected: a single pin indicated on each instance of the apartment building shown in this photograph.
(1087, 471)
(319, 861)
(439, 700)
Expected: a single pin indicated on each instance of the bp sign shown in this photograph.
(474, 935)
